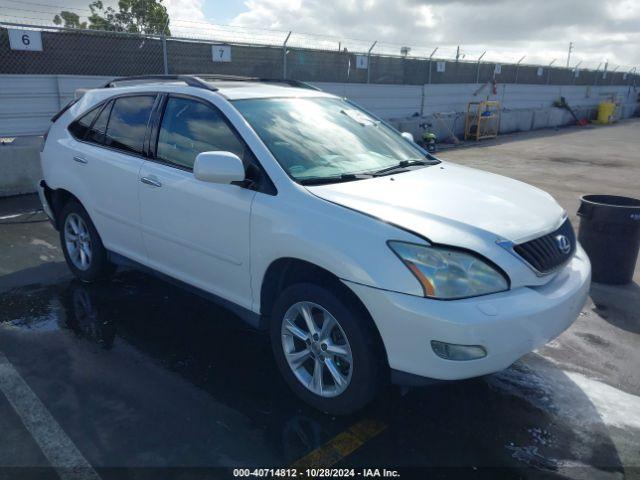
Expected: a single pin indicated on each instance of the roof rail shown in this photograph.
(190, 80)
(238, 78)
(200, 81)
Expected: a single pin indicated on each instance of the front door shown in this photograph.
(195, 231)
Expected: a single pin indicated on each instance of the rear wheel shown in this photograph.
(325, 349)
(82, 247)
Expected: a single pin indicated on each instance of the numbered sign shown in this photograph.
(25, 40)
(540, 71)
(498, 69)
(362, 62)
(221, 53)
(440, 66)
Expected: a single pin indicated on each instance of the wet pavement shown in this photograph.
(145, 380)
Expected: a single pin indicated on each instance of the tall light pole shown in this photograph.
(569, 54)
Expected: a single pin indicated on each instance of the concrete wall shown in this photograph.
(20, 166)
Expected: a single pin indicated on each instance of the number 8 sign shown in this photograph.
(221, 53)
(25, 39)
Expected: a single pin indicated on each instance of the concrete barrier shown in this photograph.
(20, 166)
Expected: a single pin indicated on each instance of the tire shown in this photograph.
(88, 261)
(353, 335)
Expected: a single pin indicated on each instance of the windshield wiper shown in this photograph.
(400, 166)
(345, 177)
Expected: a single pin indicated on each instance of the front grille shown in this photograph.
(545, 253)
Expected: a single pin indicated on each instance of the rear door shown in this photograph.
(196, 231)
(111, 153)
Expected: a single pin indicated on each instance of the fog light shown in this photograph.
(450, 351)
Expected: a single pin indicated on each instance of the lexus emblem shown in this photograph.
(563, 243)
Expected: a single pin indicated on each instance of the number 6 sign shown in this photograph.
(25, 40)
(221, 53)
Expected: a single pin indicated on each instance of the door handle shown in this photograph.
(150, 181)
(80, 160)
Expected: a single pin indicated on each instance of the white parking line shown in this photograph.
(61, 452)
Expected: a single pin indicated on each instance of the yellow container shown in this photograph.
(605, 112)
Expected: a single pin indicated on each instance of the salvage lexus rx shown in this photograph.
(367, 259)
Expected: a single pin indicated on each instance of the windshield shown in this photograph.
(315, 138)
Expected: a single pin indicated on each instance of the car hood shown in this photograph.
(432, 201)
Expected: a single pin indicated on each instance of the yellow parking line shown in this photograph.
(341, 445)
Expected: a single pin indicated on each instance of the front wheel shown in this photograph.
(325, 348)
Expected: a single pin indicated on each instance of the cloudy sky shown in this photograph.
(602, 30)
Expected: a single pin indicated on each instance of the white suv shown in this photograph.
(367, 258)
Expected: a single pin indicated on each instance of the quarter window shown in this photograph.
(189, 128)
(97, 131)
(128, 123)
(80, 127)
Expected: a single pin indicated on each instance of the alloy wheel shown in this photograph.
(78, 241)
(316, 349)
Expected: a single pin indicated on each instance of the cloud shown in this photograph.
(507, 29)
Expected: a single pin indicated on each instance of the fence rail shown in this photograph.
(229, 50)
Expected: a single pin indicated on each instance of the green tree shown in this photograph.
(70, 19)
(133, 16)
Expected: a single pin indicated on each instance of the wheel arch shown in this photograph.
(57, 199)
(286, 271)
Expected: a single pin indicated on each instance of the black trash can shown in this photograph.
(610, 234)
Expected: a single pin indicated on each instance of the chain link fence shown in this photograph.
(195, 48)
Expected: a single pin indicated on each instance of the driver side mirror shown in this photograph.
(218, 167)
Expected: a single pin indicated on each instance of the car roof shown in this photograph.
(230, 89)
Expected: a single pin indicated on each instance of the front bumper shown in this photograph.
(508, 324)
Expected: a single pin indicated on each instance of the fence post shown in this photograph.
(518, 68)
(549, 70)
(574, 72)
(477, 65)
(595, 82)
(369, 61)
(284, 56)
(165, 59)
(430, 57)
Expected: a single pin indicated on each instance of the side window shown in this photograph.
(80, 127)
(189, 128)
(128, 123)
(99, 127)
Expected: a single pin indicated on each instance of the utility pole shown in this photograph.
(457, 53)
(569, 54)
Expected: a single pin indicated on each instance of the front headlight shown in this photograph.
(447, 273)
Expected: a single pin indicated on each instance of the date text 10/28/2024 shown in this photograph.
(315, 473)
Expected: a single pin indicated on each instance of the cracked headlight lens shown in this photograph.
(448, 273)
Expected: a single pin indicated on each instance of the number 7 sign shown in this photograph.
(221, 53)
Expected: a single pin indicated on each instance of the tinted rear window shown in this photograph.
(128, 123)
